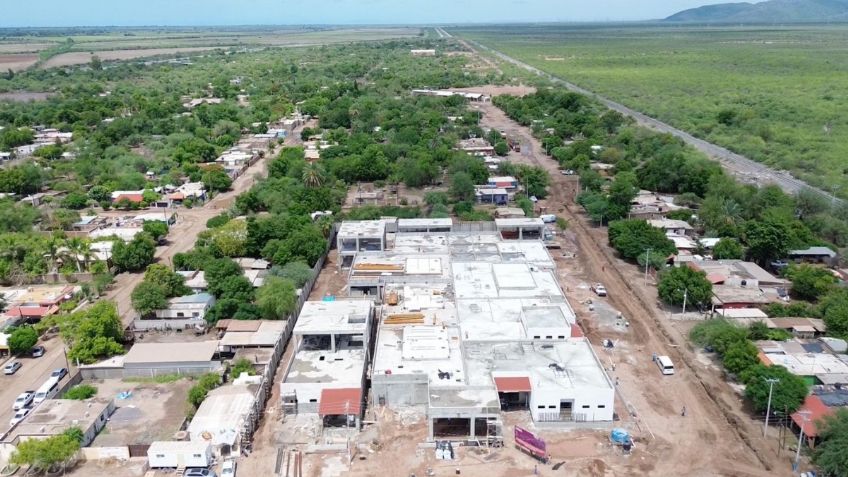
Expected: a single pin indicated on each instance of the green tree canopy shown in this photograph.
(93, 333)
(22, 339)
(276, 298)
(298, 272)
(829, 455)
(728, 249)
(834, 311)
(679, 280)
(632, 238)
(810, 282)
(156, 229)
(42, 455)
(171, 282)
(135, 255)
(148, 297)
(462, 187)
(788, 393)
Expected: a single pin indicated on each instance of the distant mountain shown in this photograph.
(772, 11)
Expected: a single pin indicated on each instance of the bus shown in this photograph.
(665, 365)
(47, 390)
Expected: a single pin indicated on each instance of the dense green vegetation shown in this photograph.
(81, 392)
(773, 94)
(830, 455)
(739, 356)
(49, 454)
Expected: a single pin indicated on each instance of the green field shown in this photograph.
(776, 95)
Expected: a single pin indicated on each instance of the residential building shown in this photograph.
(676, 227)
(155, 359)
(814, 255)
(506, 182)
(491, 195)
(222, 417)
(476, 147)
(54, 416)
(424, 225)
(423, 52)
(359, 236)
(333, 345)
(183, 312)
(521, 228)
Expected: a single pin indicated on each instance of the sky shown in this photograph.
(65, 13)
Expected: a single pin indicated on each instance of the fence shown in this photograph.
(474, 227)
(266, 388)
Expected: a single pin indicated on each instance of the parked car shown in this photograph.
(199, 472)
(228, 468)
(599, 289)
(19, 416)
(12, 368)
(38, 351)
(59, 373)
(23, 400)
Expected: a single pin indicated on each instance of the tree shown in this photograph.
(313, 175)
(242, 365)
(235, 287)
(148, 297)
(719, 334)
(834, 311)
(22, 339)
(788, 393)
(276, 298)
(172, 283)
(298, 272)
(829, 455)
(462, 187)
(216, 179)
(42, 455)
(96, 63)
(93, 333)
(219, 269)
(632, 238)
(100, 193)
(231, 238)
(75, 201)
(767, 240)
(305, 245)
(156, 229)
(740, 356)
(676, 282)
(135, 255)
(728, 249)
(81, 392)
(810, 282)
(501, 148)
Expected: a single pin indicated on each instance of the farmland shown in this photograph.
(51, 48)
(772, 94)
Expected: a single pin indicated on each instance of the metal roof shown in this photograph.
(171, 352)
(513, 384)
(340, 402)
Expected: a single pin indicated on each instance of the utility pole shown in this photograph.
(804, 416)
(685, 295)
(647, 262)
(771, 382)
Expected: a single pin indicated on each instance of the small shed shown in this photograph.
(175, 454)
(153, 359)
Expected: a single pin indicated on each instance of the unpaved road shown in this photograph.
(190, 222)
(740, 166)
(716, 437)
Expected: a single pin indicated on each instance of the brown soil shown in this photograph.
(17, 62)
(81, 58)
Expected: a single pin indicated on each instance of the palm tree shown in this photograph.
(53, 253)
(81, 252)
(313, 175)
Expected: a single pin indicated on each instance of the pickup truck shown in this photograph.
(599, 289)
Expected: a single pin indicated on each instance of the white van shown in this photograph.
(47, 390)
(665, 365)
(548, 218)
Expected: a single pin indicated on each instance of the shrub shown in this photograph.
(81, 392)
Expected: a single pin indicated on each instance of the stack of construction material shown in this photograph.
(405, 319)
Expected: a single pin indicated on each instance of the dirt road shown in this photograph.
(715, 437)
(740, 166)
(190, 222)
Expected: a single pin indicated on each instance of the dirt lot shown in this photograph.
(714, 415)
(23, 47)
(153, 411)
(24, 96)
(17, 62)
(81, 58)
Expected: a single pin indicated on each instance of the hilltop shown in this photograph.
(772, 11)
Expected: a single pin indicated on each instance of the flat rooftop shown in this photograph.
(333, 317)
(220, 417)
(407, 264)
(362, 228)
(171, 352)
(511, 319)
(445, 222)
(345, 366)
(54, 416)
(467, 397)
(503, 280)
(421, 243)
(519, 222)
(267, 333)
(571, 364)
(421, 350)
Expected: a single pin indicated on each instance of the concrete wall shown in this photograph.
(158, 369)
(169, 324)
(102, 373)
(585, 396)
(105, 453)
(396, 390)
